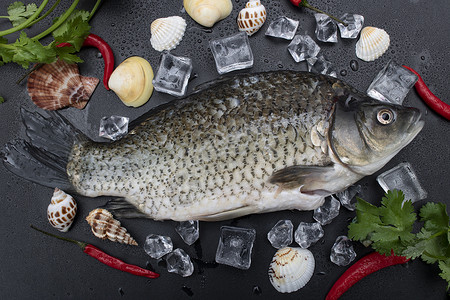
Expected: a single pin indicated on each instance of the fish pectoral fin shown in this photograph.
(120, 208)
(229, 214)
(308, 178)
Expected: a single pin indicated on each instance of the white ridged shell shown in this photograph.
(372, 43)
(291, 269)
(104, 226)
(61, 210)
(252, 17)
(167, 32)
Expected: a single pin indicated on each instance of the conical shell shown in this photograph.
(372, 43)
(167, 32)
(208, 12)
(291, 269)
(58, 85)
(252, 17)
(104, 226)
(61, 210)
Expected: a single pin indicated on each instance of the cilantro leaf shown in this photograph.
(434, 216)
(74, 30)
(445, 268)
(67, 54)
(19, 13)
(2, 99)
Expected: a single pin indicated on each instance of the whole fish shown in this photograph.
(246, 144)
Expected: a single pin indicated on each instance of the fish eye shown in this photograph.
(385, 116)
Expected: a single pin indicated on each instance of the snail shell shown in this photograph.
(61, 210)
(58, 85)
(208, 12)
(252, 17)
(167, 32)
(104, 226)
(291, 269)
(372, 43)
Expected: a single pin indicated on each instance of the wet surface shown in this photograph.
(39, 267)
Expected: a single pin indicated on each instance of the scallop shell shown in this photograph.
(208, 12)
(252, 17)
(291, 269)
(167, 32)
(58, 85)
(372, 43)
(104, 226)
(61, 210)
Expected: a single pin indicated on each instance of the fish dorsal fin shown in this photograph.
(123, 209)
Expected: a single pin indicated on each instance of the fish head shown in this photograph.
(367, 133)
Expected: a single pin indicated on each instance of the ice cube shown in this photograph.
(326, 29)
(392, 83)
(303, 47)
(173, 74)
(180, 263)
(308, 233)
(113, 127)
(282, 27)
(355, 24)
(232, 53)
(157, 245)
(342, 252)
(280, 235)
(402, 177)
(235, 247)
(188, 230)
(320, 65)
(346, 197)
(328, 211)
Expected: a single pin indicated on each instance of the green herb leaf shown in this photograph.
(445, 268)
(2, 99)
(74, 30)
(19, 13)
(67, 54)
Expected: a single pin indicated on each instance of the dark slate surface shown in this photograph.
(35, 266)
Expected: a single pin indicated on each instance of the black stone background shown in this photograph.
(35, 266)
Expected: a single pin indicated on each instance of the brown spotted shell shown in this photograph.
(104, 226)
(58, 85)
(252, 17)
(61, 210)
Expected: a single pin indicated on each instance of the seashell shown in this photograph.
(104, 226)
(291, 269)
(208, 12)
(61, 210)
(167, 32)
(58, 85)
(132, 81)
(251, 18)
(372, 43)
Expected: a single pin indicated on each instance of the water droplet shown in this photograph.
(187, 290)
(121, 292)
(99, 55)
(343, 72)
(422, 57)
(266, 60)
(113, 24)
(354, 65)
(321, 273)
(257, 290)
(280, 66)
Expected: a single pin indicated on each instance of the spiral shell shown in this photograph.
(372, 43)
(58, 85)
(167, 32)
(291, 269)
(252, 17)
(208, 12)
(104, 226)
(62, 210)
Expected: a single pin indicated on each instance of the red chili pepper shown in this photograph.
(363, 267)
(305, 3)
(106, 51)
(429, 98)
(106, 258)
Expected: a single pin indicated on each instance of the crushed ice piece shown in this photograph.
(282, 27)
(232, 53)
(320, 65)
(303, 47)
(173, 74)
(188, 230)
(157, 245)
(308, 233)
(342, 252)
(392, 83)
(346, 196)
(235, 247)
(180, 263)
(280, 235)
(326, 29)
(113, 127)
(402, 177)
(328, 211)
(355, 24)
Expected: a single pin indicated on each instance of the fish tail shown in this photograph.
(43, 159)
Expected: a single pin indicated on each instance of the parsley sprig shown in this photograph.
(390, 226)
